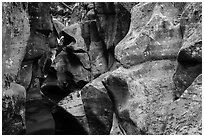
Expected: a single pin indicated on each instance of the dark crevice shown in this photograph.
(66, 124)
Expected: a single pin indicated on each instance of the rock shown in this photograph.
(115, 130)
(185, 114)
(97, 58)
(78, 61)
(155, 36)
(98, 109)
(87, 107)
(40, 18)
(113, 25)
(41, 27)
(15, 34)
(129, 5)
(52, 40)
(66, 124)
(58, 27)
(95, 45)
(190, 55)
(37, 46)
(73, 104)
(141, 95)
(13, 110)
(74, 31)
(25, 74)
(62, 65)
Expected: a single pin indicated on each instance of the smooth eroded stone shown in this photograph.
(185, 114)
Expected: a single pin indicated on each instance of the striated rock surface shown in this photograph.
(190, 55)
(154, 34)
(185, 114)
(15, 35)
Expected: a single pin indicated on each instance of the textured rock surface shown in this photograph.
(13, 110)
(15, 34)
(141, 95)
(98, 110)
(190, 54)
(149, 84)
(94, 44)
(185, 114)
(155, 36)
(91, 106)
(41, 27)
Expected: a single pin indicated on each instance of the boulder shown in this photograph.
(154, 34)
(190, 55)
(185, 114)
(91, 106)
(141, 95)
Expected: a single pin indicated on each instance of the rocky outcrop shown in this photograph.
(185, 114)
(154, 34)
(144, 69)
(15, 35)
(190, 55)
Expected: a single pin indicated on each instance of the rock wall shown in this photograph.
(15, 35)
(143, 62)
(156, 84)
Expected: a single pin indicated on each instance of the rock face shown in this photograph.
(154, 34)
(185, 114)
(141, 95)
(113, 24)
(143, 62)
(15, 34)
(105, 24)
(190, 54)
